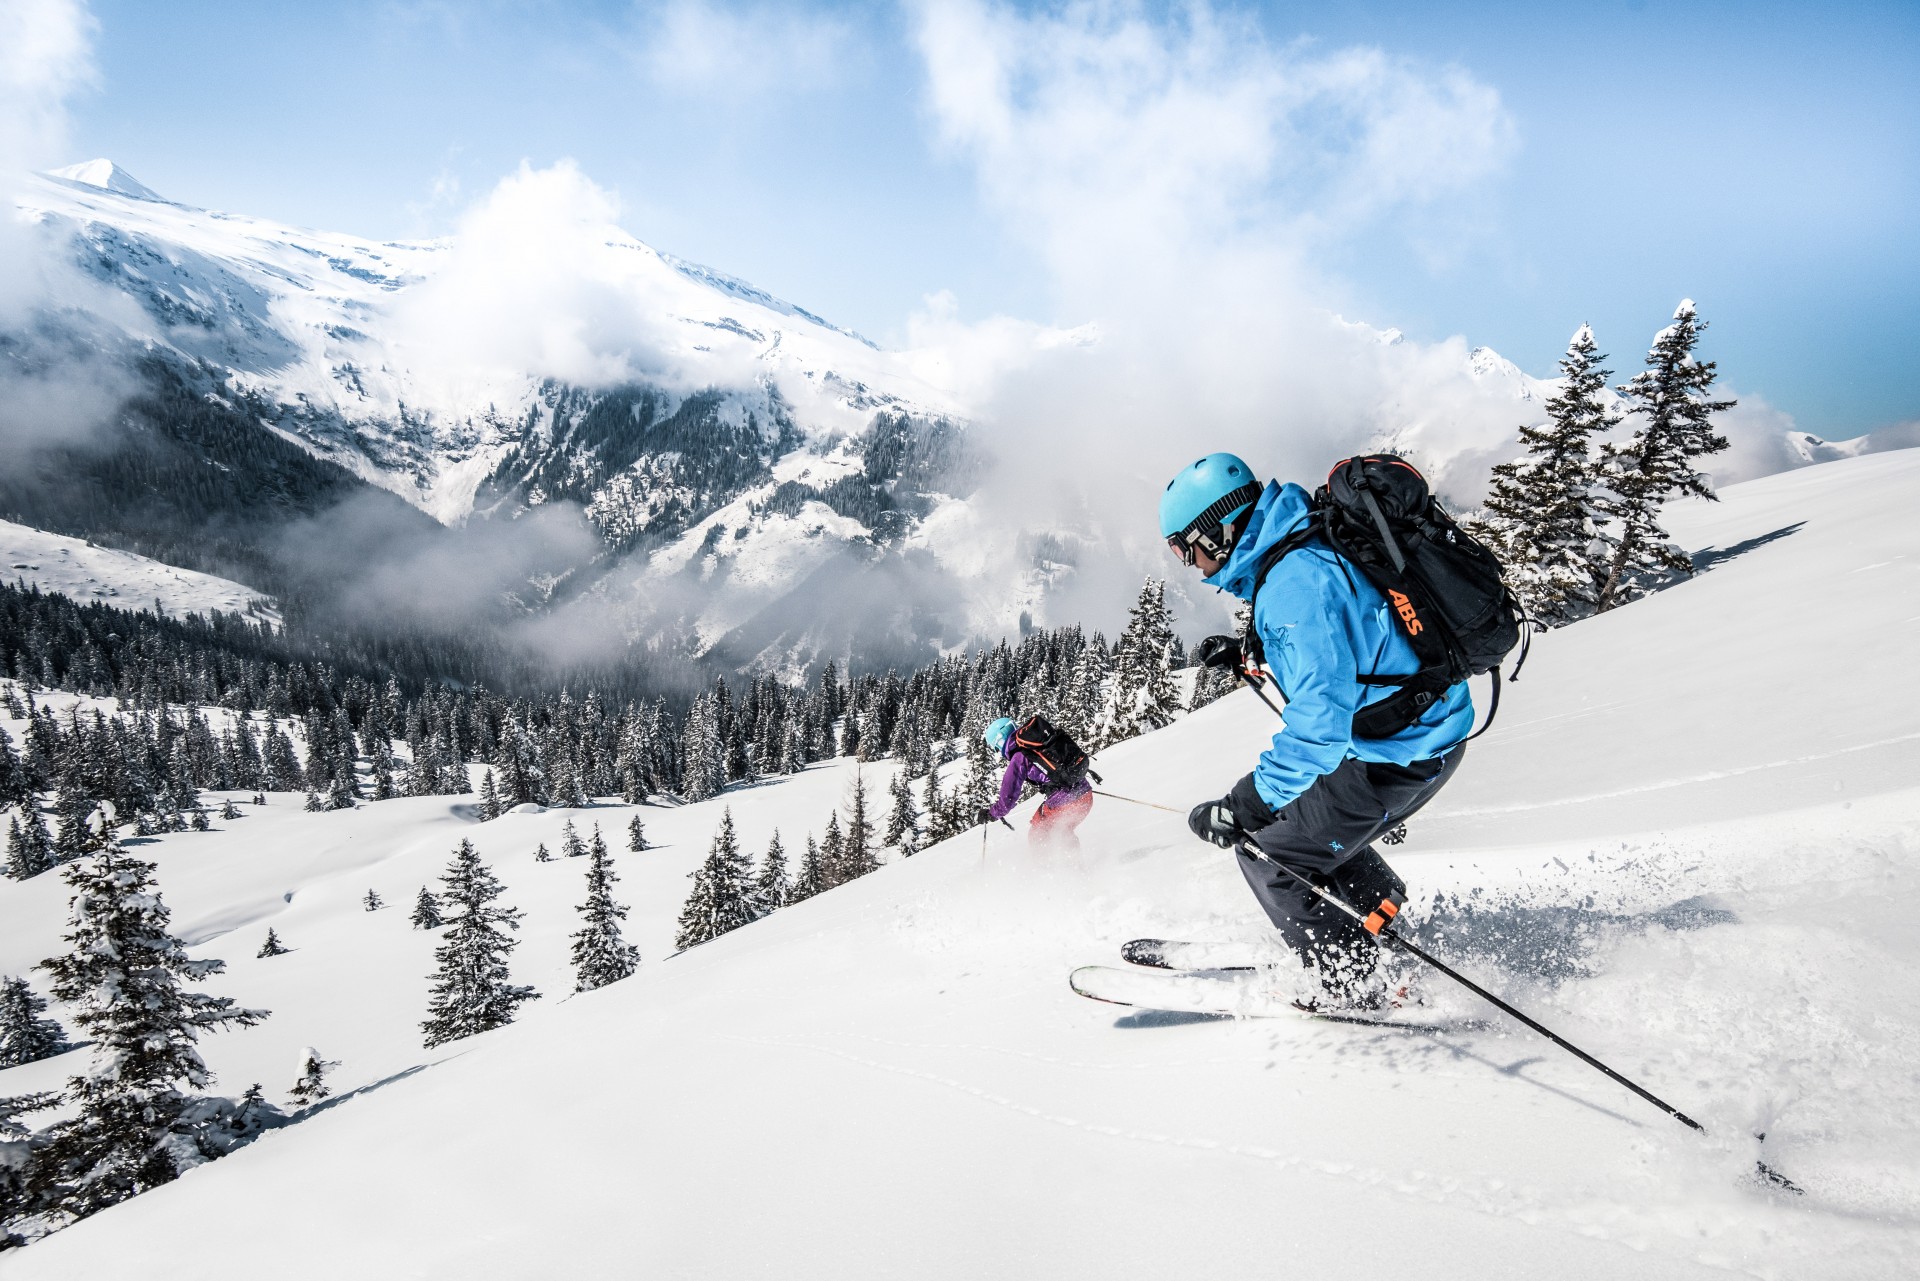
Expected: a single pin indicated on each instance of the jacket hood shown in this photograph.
(1281, 510)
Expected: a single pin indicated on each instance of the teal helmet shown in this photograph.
(1204, 504)
(997, 735)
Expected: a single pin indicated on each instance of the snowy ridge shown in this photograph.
(314, 322)
(77, 568)
(1651, 851)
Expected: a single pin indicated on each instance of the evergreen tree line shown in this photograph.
(336, 734)
(1576, 519)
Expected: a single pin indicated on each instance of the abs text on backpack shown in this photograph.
(1049, 747)
(1442, 584)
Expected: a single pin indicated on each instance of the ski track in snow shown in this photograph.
(1705, 886)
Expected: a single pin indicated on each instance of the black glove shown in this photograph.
(1234, 817)
(1222, 652)
(983, 815)
(1213, 821)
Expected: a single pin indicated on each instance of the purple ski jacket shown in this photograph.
(1021, 770)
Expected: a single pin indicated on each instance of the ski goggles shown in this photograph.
(1207, 532)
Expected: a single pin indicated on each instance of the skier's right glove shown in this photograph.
(1213, 821)
(1233, 818)
(1222, 652)
(983, 815)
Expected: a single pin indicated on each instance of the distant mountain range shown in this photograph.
(731, 473)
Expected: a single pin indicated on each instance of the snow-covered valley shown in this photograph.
(1685, 844)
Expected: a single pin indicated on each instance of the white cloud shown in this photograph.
(539, 278)
(740, 51)
(1181, 175)
(46, 54)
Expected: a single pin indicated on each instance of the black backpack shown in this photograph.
(1443, 585)
(1050, 747)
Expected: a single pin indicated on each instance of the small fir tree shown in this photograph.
(812, 878)
(471, 988)
(722, 897)
(29, 846)
(600, 954)
(903, 821)
(373, 901)
(273, 946)
(227, 811)
(426, 911)
(857, 856)
(1656, 465)
(312, 1085)
(132, 1127)
(541, 854)
(570, 843)
(490, 807)
(25, 1035)
(636, 835)
(1542, 514)
(772, 887)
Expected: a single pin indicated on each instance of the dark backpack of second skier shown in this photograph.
(1054, 751)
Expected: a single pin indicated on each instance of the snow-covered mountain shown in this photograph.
(1695, 880)
(317, 325)
(88, 573)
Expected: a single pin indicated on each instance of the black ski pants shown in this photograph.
(1327, 835)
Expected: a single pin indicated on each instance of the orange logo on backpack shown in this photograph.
(1404, 608)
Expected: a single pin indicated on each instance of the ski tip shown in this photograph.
(1148, 952)
(1081, 989)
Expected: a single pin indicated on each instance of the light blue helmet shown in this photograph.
(997, 735)
(1203, 505)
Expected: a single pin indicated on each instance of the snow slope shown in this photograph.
(1687, 844)
(77, 568)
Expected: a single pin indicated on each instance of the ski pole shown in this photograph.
(1379, 926)
(1131, 801)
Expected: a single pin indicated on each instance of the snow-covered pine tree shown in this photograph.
(903, 821)
(1209, 685)
(312, 1085)
(722, 897)
(600, 955)
(373, 902)
(705, 774)
(273, 946)
(1656, 465)
(936, 807)
(984, 771)
(1141, 695)
(132, 1127)
(812, 877)
(832, 842)
(636, 835)
(857, 855)
(314, 805)
(426, 911)
(471, 988)
(773, 887)
(490, 807)
(29, 846)
(541, 854)
(1542, 514)
(571, 846)
(16, 1161)
(25, 1036)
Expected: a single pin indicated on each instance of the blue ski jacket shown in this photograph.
(1323, 625)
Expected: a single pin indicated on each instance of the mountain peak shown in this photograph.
(107, 176)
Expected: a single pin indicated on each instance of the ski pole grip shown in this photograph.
(1381, 916)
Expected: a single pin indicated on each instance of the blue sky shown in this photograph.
(1762, 159)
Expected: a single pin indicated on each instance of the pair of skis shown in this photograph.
(1177, 977)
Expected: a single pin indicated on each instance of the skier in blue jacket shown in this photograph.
(1318, 796)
